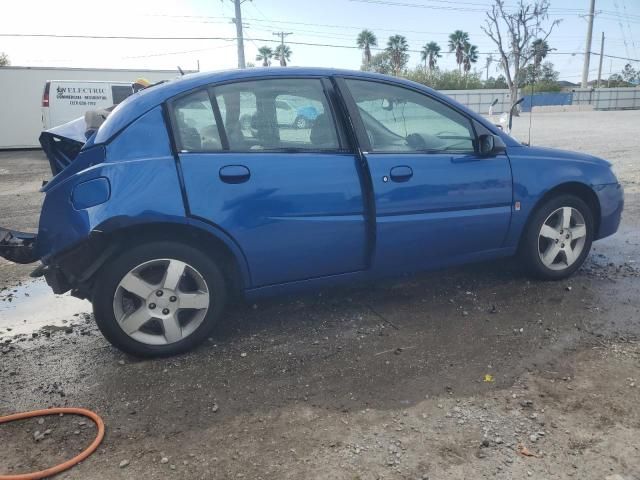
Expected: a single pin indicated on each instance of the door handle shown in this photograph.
(401, 173)
(234, 174)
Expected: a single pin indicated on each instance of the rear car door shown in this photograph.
(290, 197)
(437, 201)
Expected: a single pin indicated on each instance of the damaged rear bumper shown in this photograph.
(18, 247)
(75, 268)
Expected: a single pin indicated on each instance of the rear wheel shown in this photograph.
(558, 237)
(159, 299)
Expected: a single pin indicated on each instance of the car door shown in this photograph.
(291, 198)
(437, 201)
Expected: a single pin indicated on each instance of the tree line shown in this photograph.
(394, 58)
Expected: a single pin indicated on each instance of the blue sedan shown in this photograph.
(174, 205)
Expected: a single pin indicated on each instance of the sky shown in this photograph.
(328, 22)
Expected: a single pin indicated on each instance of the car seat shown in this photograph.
(322, 134)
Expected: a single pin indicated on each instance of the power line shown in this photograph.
(270, 40)
(556, 12)
(336, 26)
(618, 58)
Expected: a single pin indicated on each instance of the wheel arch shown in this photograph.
(210, 239)
(77, 268)
(580, 190)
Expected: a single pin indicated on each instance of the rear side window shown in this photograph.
(195, 124)
(263, 115)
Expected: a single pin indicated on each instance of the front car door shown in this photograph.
(437, 201)
(291, 198)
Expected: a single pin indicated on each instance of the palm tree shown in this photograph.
(430, 52)
(540, 50)
(397, 48)
(469, 56)
(366, 39)
(282, 53)
(265, 54)
(457, 41)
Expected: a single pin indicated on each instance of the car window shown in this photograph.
(398, 119)
(195, 123)
(262, 115)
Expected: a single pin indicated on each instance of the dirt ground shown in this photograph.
(467, 373)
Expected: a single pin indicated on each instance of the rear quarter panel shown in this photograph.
(144, 184)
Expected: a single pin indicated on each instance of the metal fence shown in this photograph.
(600, 98)
(608, 98)
(545, 99)
(480, 100)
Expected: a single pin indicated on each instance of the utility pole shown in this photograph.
(587, 50)
(601, 58)
(489, 62)
(283, 62)
(238, 21)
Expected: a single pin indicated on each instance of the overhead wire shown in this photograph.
(271, 40)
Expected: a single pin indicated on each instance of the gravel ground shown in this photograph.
(471, 372)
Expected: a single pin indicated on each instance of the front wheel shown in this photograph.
(558, 237)
(159, 299)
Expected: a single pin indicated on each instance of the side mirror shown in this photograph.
(490, 145)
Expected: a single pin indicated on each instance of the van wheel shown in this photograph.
(159, 299)
(558, 238)
(301, 122)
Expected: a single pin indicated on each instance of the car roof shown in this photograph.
(159, 93)
(139, 103)
(144, 100)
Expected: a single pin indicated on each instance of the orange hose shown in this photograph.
(69, 463)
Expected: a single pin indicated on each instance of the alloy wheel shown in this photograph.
(562, 238)
(161, 301)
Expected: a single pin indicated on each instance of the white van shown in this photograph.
(66, 100)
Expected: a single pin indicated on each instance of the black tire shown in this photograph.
(114, 271)
(529, 245)
(301, 122)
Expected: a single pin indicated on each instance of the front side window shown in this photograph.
(195, 123)
(398, 119)
(264, 115)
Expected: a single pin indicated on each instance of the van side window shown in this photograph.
(120, 93)
(195, 124)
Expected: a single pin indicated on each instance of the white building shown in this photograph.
(21, 90)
